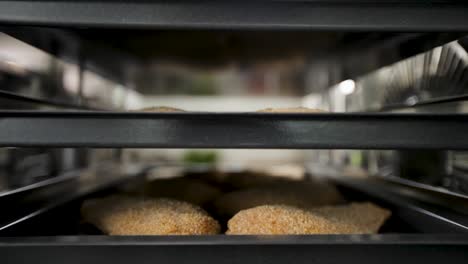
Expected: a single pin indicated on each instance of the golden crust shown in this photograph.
(121, 215)
(291, 110)
(355, 218)
(299, 194)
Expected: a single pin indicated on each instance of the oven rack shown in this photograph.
(33, 201)
(40, 102)
(233, 130)
(388, 15)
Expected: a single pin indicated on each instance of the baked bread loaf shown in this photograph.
(124, 215)
(291, 110)
(161, 109)
(355, 218)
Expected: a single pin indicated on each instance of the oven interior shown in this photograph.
(393, 133)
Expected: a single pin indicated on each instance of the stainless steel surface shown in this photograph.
(427, 78)
(56, 193)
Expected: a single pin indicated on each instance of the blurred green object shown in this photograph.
(356, 158)
(196, 156)
(203, 85)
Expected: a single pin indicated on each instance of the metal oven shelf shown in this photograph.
(234, 130)
(388, 15)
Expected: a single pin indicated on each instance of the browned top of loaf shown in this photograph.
(121, 215)
(161, 109)
(290, 110)
(356, 218)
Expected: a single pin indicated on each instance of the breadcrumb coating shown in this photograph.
(121, 215)
(355, 218)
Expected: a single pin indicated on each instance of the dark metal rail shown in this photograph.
(233, 130)
(239, 249)
(436, 101)
(317, 15)
(42, 102)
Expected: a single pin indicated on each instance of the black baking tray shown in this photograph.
(234, 130)
(370, 15)
(238, 249)
(62, 216)
(56, 234)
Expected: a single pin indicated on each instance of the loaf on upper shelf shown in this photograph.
(291, 110)
(159, 109)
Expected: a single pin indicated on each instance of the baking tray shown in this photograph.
(409, 216)
(234, 130)
(409, 246)
(238, 249)
(415, 213)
